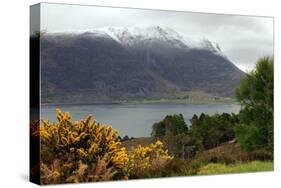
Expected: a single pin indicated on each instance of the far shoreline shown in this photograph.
(148, 101)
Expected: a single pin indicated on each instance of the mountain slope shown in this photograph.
(116, 63)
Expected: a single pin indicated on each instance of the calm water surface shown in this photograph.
(136, 119)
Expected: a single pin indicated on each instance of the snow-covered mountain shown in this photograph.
(114, 63)
(130, 36)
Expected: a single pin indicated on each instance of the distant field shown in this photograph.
(254, 166)
(190, 97)
(180, 101)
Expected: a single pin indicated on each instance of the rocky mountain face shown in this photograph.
(118, 63)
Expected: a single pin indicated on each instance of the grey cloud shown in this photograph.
(242, 38)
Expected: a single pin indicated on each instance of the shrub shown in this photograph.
(86, 151)
(174, 167)
(146, 161)
(80, 152)
(34, 153)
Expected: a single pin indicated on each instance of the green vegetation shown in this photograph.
(171, 130)
(255, 94)
(204, 133)
(218, 168)
(86, 150)
(209, 131)
(228, 154)
(205, 144)
(171, 124)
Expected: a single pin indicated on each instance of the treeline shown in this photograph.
(252, 126)
(204, 133)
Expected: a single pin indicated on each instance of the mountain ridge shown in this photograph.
(148, 32)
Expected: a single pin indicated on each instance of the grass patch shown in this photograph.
(254, 166)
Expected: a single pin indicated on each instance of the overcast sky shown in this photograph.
(243, 39)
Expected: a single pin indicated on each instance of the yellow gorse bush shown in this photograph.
(86, 151)
(80, 144)
(145, 159)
